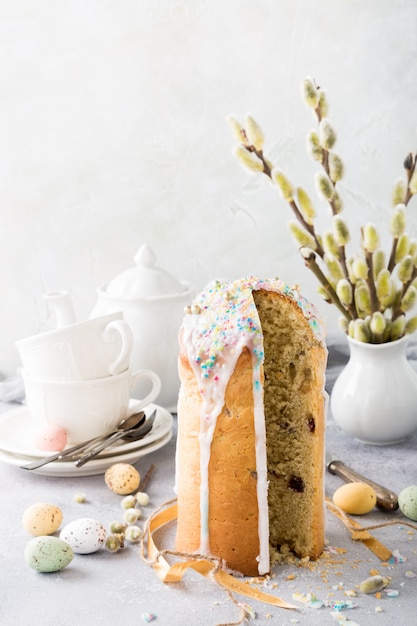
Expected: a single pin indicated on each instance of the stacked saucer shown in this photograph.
(17, 431)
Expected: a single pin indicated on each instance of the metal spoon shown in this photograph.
(132, 434)
(133, 420)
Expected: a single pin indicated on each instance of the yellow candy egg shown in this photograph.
(42, 518)
(355, 498)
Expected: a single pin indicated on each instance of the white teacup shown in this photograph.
(88, 350)
(86, 409)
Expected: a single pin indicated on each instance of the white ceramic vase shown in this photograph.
(374, 398)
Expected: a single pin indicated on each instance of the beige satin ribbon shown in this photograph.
(209, 568)
(361, 534)
(212, 568)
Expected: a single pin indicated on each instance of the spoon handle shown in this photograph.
(97, 449)
(139, 434)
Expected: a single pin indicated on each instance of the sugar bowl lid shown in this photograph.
(145, 280)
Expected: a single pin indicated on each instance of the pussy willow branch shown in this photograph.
(308, 227)
(268, 172)
(410, 166)
(396, 311)
(349, 312)
(391, 262)
(375, 304)
(312, 264)
(325, 165)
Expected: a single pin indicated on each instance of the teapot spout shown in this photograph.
(60, 303)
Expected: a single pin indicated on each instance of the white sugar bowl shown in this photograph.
(152, 301)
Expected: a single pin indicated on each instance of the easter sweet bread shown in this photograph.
(251, 413)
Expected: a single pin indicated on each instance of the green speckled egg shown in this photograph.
(407, 501)
(48, 554)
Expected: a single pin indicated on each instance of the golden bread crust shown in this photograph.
(233, 521)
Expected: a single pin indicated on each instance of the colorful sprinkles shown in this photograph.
(224, 313)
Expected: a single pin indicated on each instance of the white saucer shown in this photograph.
(98, 465)
(17, 433)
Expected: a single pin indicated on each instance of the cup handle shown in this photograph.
(138, 405)
(121, 363)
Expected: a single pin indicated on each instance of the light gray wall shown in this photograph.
(113, 133)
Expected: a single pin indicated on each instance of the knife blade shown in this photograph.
(385, 499)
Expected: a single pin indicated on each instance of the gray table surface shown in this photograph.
(111, 589)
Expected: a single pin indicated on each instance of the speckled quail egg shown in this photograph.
(42, 518)
(122, 478)
(48, 554)
(407, 501)
(85, 535)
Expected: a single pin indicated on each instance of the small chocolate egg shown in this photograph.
(48, 554)
(355, 498)
(407, 501)
(122, 478)
(85, 535)
(42, 518)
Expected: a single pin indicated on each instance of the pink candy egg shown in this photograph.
(51, 438)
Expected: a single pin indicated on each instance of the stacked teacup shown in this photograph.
(78, 380)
